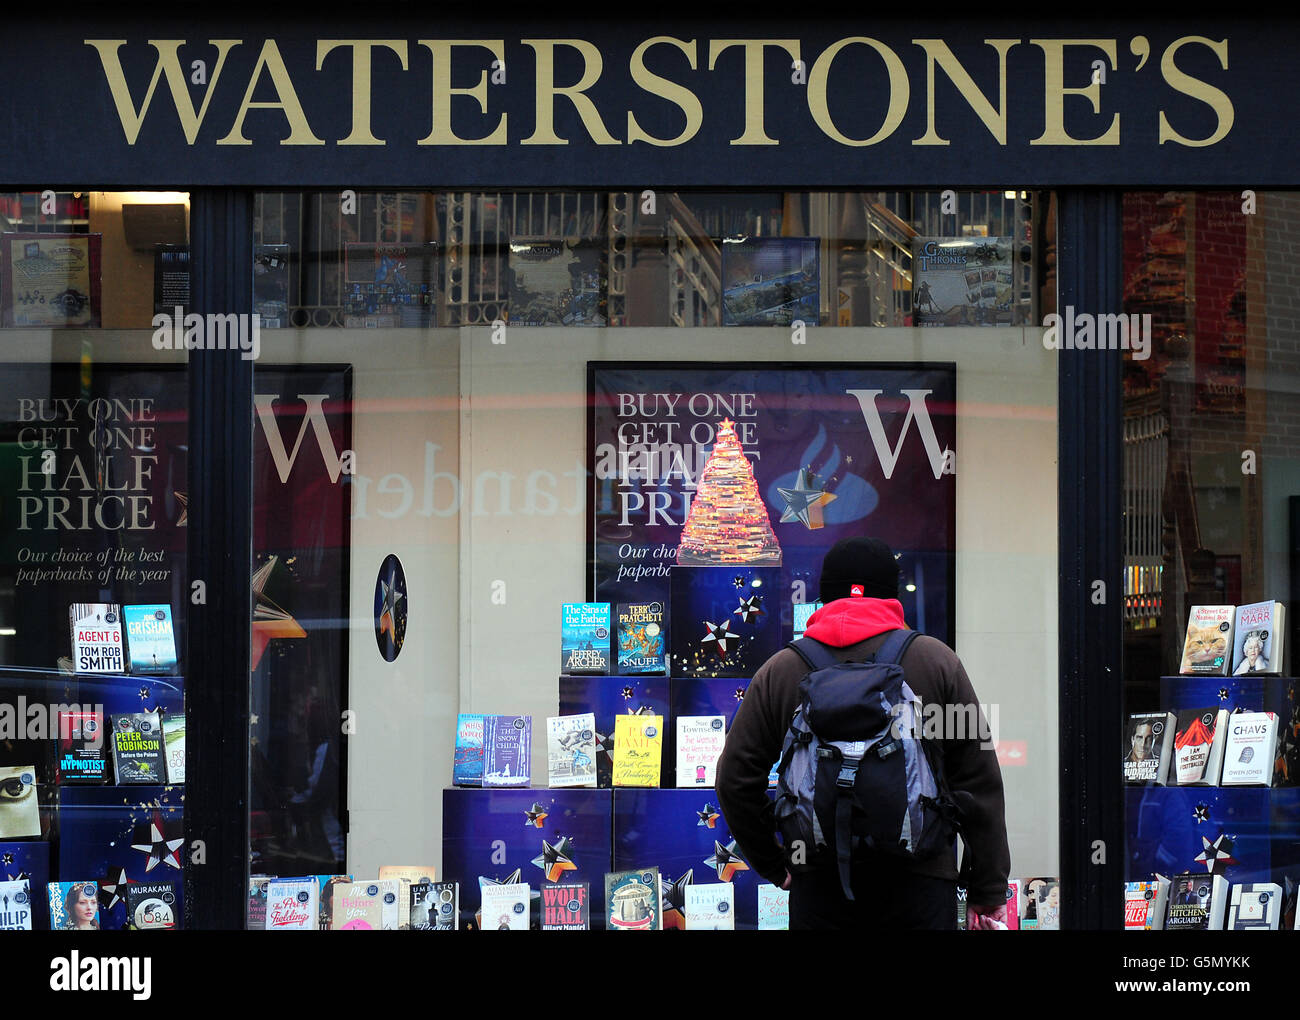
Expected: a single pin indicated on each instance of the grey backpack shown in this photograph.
(855, 770)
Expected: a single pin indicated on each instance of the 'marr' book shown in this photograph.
(1258, 632)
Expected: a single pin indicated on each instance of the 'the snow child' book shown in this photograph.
(642, 639)
(149, 638)
(467, 769)
(138, 749)
(584, 638)
(96, 637)
(507, 749)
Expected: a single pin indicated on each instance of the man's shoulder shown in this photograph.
(925, 648)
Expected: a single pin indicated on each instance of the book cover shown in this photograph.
(173, 732)
(96, 637)
(152, 906)
(51, 280)
(434, 906)
(15, 905)
(608, 697)
(505, 907)
(571, 750)
(556, 282)
(962, 281)
(326, 887)
(292, 904)
(1207, 649)
(255, 915)
(633, 900)
(1148, 744)
(1199, 738)
(507, 747)
(150, 642)
(467, 768)
(74, 906)
(83, 758)
(770, 281)
(584, 638)
(1014, 904)
(271, 285)
(642, 639)
(638, 750)
(802, 611)
(962, 900)
(1250, 750)
(1197, 903)
(711, 905)
(700, 739)
(1145, 904)
(366, 906)
(1041, 904)
(387, 285)
(20, 814)
(406, 875)
(1258, 630)
(566, 906)
(1255, 906)
(774, 908)
(138, 749)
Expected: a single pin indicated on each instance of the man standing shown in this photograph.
(859, 584)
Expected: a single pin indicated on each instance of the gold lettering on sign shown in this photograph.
(994, 118)
(441, 132)
(682, 97)
(754, 133)
(1054, 93)
(361, 58)
(547, 91)
(1182, 82)
(288, 104)
(900, 91)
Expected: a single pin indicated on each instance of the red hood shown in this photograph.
(845, 622)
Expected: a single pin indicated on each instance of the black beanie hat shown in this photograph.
(861, 567)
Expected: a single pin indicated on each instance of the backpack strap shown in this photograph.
(819, 656)
(895, 646)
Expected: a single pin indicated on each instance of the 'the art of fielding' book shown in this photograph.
(584, 638)
(149, 638)
(700, 739)
(634, 900)
(1250, 752)
(1258, 634)
(83, 757)
(1207, 649)
(1145, 904)
(642, 640)
(435, 906)
(16, 905)
(292, 904)
(773, 908)
(96, 637)
(138, 748)
(638, 750)
(151, 906)
(711, 905)
(507, 747)
(505, 907)
(467, 769)
(1255, 907)
(1200, 734)
(1197, 903)
(1148, 746)
(571, 750)
(566, 906)
(73, 906)
(20, 816)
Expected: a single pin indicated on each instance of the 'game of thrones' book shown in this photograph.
(566, 906)
(96, 637)
(149, 638)
(1207, 649)
(138, 748)
(584, 638)
(1148, 741)
(1198, 747)
(1197, 903)
(642, 641)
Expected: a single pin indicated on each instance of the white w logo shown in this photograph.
(265, 404)
(916, 411)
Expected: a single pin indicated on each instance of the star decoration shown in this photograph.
(674, 900)
(183, 500)
(738, 694)
(6, 859)
(1201, 813)
(389, 608)
(144, 693)
(738, 581)
(627, 693)
(1223, 694)
(157, 848)
(750, 609)
(18, 877)
(536, 815)
(112, 889)
(725, 860)
(269, 620)
(252, 719)
(556, 860)
(1216, 856)
(641, 710)
(709, 816)
(718, 636)
(804, 502)
(605, 744)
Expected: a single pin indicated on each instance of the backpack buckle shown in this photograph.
(848, 772)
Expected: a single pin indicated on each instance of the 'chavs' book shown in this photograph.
(96, 637)
(1250, 752)
(149, 638)
(556, 282)
(138, 748)
(1145, 904)
(507, 749)
(151, 906)
(16, 905)
(74, 906)
(1197, 903)
(566, 906)
(292, 904)
(1148, 743)
(642, 642)
(1207, 649)
(584, 638)
(1255, 907)
(20, 814)
(638, 750)
(571, 750)
(82, 755)
(505, 907)
(435, 906)
(1258, 634)
(700, 739)
(634, 900)
(711, 905)
(467, 769)
(1198, 747)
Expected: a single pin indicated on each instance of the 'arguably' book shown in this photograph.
(566, 906)
(571, 750)
(1198, 747)
(1207, 649)
(1258, 631)
(638, 750)
(642, 641)
(467, 769)
(700, 739)
(1197, 903)
(1148, 742)
(584, 638)
(149, 638)
(138, 748)
(96, 637)
(1250, 752)
(507, 747)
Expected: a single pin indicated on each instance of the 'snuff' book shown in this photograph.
(642, 639)
(584, 638)
(638, 750)
(1250, 752)
(138, 748)
(1199, 738)
(700, 739)
(467, 769)
(634, 900)
(1258, 634)
(1148, 745)
(566, 906)
(507, 747)
(1197, 903)
(292, 904)
(1207, 648)
(97, 637)
(1255, 906)
(434, 906)
(149, 638)
(571, 750)
(505, 907)
(1145, 904)
(20, 814)
(711, 905)
(83, 758)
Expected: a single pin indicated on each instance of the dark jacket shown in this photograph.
(856, 627)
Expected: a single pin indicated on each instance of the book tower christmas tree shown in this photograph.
(728, 522)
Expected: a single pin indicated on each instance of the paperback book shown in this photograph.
(292, 904)
(711, 905)
(15, 905)
(1250, 752)
(556, 282)
(962, 281)
(566, 906)
(1258, 635)
(571, 750)
(1255, 906)
(1207, 649)
(1197, 903)
(1148, 746)
(173, 731)
(774, 908)
(151, 906)
(507, 749)
(584, 638)
(770, 281)
(700, 739)
(406, 875)
(638, 750)
(83, 757)
(20, 815)
(1199, 738)
(96, 637)
(138, 748)
(434, 906)
(255, 916)
(74, 906)
(1145, 904)
(634, 900)
(467, 769)
(505, 907)
(149, 638)
(642, 640)
(366, 906)
(1042, 905)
